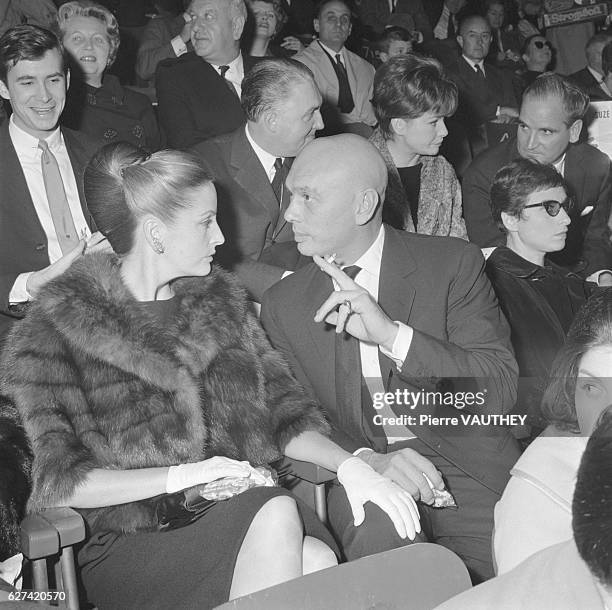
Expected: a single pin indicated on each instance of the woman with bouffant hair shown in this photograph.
(143, 373)
(412, 97)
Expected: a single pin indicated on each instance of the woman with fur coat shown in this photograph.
(142, 372)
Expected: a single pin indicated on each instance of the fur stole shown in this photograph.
(100, 384)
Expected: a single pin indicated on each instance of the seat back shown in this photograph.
(419, 577)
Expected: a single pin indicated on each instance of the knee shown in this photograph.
(279, 514)
(317, 555)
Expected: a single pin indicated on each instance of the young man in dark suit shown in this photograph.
(419, 316)
(199, 93)
(44, 222)
(282, 105)
(549, 128)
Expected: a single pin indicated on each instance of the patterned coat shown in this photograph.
(439, 211)
(100, 384)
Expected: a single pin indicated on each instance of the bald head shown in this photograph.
(348, 158)
(337, 187)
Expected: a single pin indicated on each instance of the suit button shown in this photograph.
(40, 247)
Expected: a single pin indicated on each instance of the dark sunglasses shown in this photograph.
(553, 207)
(540, 45)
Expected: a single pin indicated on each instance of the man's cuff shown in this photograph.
(401, 345)
(286, 274)
(596, 276)
(19, 292)
(180, 48)
(359, 451)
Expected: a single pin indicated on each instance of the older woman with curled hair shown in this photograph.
(412, 97)
(269, 18)
(143, 372)
(97, 104)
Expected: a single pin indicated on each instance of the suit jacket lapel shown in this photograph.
(16, 198)
(395, 291)
(77, 155)
(250, 175)
(574, 174)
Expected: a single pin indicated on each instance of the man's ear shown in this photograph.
(270, 120)
(510, 222)
(4, 92)
(383, 56)
(67, 79)
(237, 27)
(575, 130)
(315, 23)
(460, 41)
(366, 206)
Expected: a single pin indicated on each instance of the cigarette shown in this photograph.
(330, 259)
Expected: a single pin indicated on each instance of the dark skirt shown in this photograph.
(189, 567)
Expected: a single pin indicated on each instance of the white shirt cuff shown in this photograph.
(594, 277)
(19, 292)
(180, 48)
(357, 452)
(401, 345)
(286, 274)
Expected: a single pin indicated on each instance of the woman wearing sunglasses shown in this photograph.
(537, 54)
(530, 203)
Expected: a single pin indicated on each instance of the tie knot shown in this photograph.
(339, 59)
(223, 70)
(42, 144)
(278, 164)
(352, 271)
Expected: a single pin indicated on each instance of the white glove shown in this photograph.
(197, 473)
(362, 484)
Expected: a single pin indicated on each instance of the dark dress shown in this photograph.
(112, 113)
(539, 304)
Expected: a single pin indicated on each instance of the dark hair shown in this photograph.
(29, 42)
(87, 8)
(574, 100)
(269, 82)
(321, 4)
(592, 327)
(606, 59)
(408, 86)
(470, 17)
(123, 182)
(391, 34)
(513, 184)
(592, 503)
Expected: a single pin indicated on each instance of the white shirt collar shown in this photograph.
(596, 75)
(236, 67)
(26, 145)
(334, 53)
(560, 164)
(371, 259)
(473, 64)
(265, 158)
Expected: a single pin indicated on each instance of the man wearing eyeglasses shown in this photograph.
(550, 122)
(344, 79)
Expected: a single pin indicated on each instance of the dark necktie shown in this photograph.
(351, 389)
(281, 168)
(222, 72)
(451, 26)
(479, 73)
(345, 97)
(58, 202)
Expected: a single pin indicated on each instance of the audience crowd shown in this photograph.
(367, 234)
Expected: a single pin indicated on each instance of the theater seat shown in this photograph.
(50, 535)
(415, 577)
